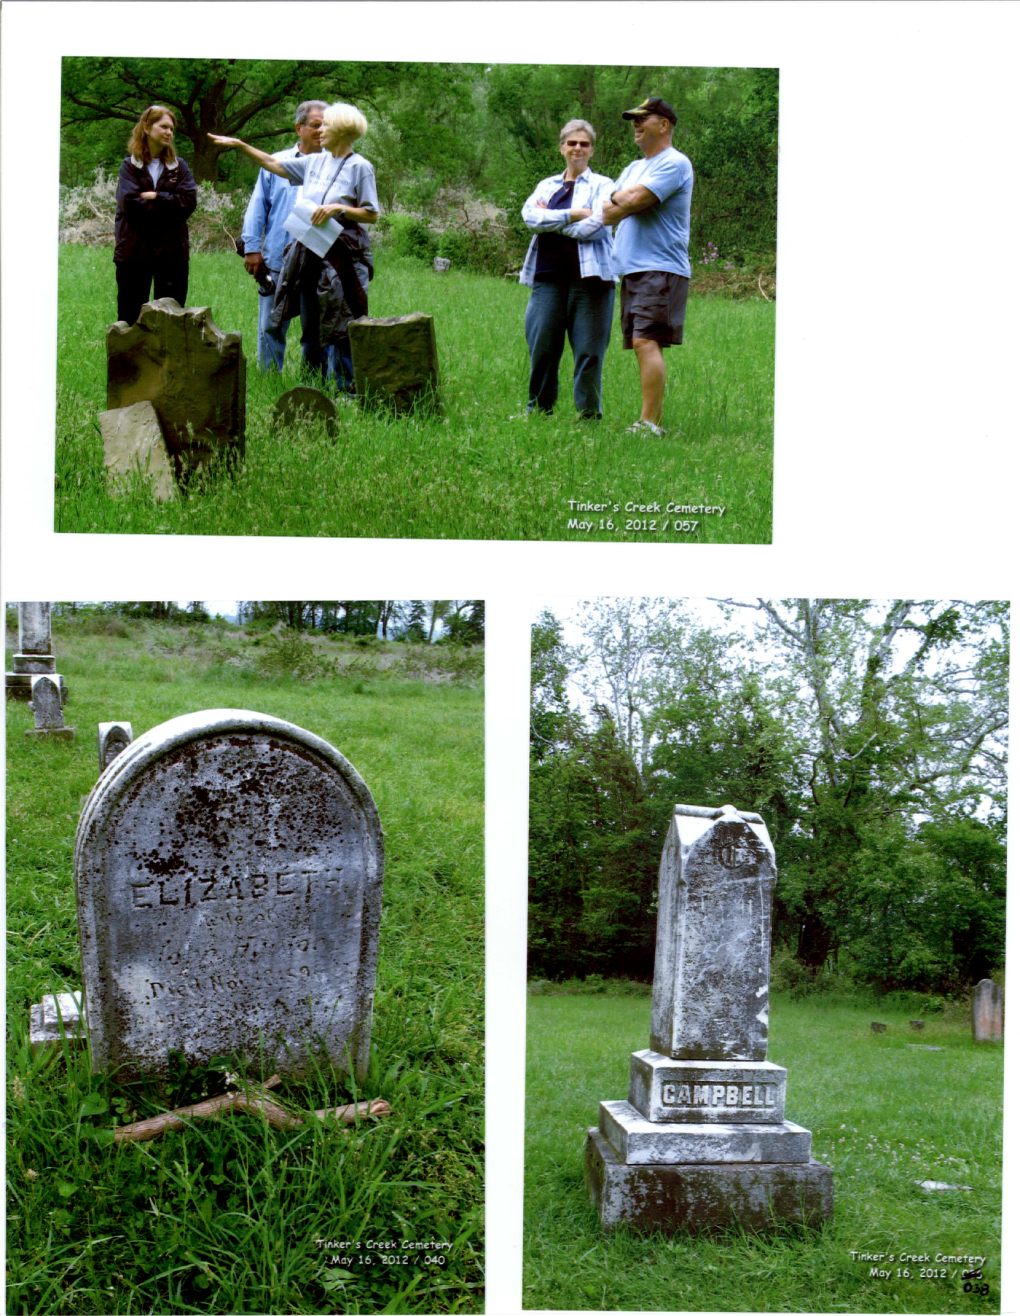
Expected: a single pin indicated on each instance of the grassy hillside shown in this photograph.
(477, 474)
(225, 1216)
(884, 1114)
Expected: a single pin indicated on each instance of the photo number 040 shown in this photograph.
(436, 276)
(767, 890)
(246, 955)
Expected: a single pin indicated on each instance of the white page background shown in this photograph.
(897, 351)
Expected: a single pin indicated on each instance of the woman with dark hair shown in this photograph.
(155, 196)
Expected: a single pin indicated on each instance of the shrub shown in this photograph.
(289, 653)
(408, 235)
(441, 664)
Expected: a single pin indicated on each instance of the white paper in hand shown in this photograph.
(317, 238)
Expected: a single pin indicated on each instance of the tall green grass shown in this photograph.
(475, 474)
(225, 1216)
(883, 1114)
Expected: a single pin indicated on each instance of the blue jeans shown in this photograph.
(273, 343)
(583, 312)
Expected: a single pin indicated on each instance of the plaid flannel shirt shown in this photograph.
(594, 240)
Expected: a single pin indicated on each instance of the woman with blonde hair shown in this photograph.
(155, 196)
(330, 291)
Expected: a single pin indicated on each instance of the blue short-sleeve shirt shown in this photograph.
(657, 238)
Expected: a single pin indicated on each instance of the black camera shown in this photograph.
(266, 282)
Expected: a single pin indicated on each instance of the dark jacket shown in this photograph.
(153, 228)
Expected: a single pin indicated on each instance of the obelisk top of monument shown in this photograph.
(710, 996)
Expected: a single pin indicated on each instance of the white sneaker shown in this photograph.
(645, 426)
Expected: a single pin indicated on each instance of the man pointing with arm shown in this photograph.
(651, 208)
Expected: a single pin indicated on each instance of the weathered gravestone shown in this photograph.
(113, 738)
(301, 404)
(703, 1141)
(228, 870)
(134, 449)
(35, 653)
(441, 265)
(48, 711)
(396, 361)
(986, 1012)
(191, 372)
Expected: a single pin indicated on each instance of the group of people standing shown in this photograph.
(571, 267)
(156, 194)
(574, 260)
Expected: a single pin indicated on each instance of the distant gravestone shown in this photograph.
(191, 372)
(113, 738)
(56, 1019)
(878, 1028)
(34, 656)
(986, 1012)
(395, 360)
(703, 1139)
(48, 711)
(134, 449)
(228, 870)
(917, 1025)
(304, 404)
(441, 265)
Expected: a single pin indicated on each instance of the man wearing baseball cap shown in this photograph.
(651, 208)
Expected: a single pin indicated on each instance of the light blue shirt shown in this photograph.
(657, 238)
(595, 242)
(271, 202)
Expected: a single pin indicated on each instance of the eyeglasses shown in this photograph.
(573, 143)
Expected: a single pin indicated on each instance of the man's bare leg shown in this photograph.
(653, 378)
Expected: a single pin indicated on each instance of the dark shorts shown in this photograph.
(653, 304)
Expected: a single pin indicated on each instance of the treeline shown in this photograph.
(441, 135)
(413, 621)
(870, 737)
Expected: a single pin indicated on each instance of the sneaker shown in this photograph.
(645, 427)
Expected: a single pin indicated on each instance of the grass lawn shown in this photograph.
(478, 474)
(224, 1216)
(883, 1115)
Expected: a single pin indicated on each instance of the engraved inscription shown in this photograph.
(196, 889)
(746, 1096)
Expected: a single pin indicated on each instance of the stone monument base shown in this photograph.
(18, 685)
(692, 1197)
(640, 1142)
(51, 733)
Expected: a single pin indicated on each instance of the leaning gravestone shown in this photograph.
(986, 1012)
(113, 738)
(395, 360)
(134, 450)
(35, 653)
(703, 1141)
(228, 870)
(48, 711)
(191, 372)
(302, 404)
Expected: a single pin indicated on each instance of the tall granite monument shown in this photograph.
(34, 656)
(228, 870)
(703, 1140)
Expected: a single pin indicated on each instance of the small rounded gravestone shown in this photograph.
(302, 405)
(228, 871)
(878, 1028)
(917, 1025)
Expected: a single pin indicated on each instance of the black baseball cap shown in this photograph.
(652, 106)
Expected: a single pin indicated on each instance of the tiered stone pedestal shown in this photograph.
(707, 1196)
(703, 1144)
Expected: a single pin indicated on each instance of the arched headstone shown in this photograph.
(228, 870)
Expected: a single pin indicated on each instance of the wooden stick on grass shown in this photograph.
(146, 1130)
